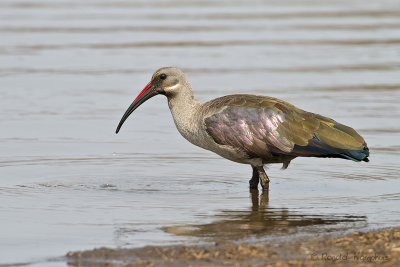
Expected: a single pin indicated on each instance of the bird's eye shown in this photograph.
(163, 76)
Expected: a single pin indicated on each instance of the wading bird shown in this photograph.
(251, 129)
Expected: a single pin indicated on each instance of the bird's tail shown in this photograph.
(357, 155)
(335, 140)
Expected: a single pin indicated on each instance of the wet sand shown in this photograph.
(380, 247)
(70, 68)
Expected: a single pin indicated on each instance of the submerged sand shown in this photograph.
(379, 247)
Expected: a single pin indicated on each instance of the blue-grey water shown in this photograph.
(69, 69)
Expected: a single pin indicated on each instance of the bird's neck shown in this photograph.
(184, 109)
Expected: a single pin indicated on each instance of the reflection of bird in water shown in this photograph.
(258, 202)
(262, 220)
(251, 129)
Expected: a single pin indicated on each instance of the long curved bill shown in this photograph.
(144, 95)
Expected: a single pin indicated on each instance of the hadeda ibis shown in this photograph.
(251, 129)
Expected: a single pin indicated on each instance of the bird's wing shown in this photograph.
(265, 127)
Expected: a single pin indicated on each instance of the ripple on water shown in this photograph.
(68, 183)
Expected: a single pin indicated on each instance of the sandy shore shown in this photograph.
(357, 249)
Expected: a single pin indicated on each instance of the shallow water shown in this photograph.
(69, 69)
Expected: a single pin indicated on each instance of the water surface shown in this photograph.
(69, 69)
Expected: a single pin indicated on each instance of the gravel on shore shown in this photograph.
(378, 247)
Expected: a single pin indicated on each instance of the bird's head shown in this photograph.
(167, 81)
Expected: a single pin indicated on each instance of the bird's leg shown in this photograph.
(264, 180)
(254, 179)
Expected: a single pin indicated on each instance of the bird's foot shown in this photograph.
(264, 181)
(259, 176)
(254, 182)
(255, 179)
